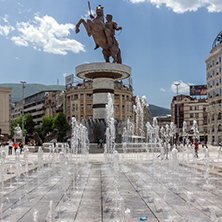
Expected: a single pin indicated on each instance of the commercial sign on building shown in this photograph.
(198, 90)
(69, 80)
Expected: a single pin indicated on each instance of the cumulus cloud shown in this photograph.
(182, 88)
(47, 35)
(181, 6)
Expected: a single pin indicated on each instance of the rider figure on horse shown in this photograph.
(110, 26)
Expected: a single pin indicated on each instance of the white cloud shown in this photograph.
(182, 88)
(46, 34)
(6, 29)
(181, 6)
(162, 89)
(19, 41)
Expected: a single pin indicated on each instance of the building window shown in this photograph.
(191, 108)
(116, 97)
(123, 108)
(196, 115)
(219, 116)
(89, 96)
(75, 96)
(123, 97)
(191, 115)
(73, 107)
(81, 97)
(127, 98)
(196, 107)
(116, 107)
(89, 106)
(68, 109)
(76, 107)
(81, 107)
(219, 128)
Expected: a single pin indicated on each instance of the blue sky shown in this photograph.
(163, 41)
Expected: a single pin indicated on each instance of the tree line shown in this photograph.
(47, 125)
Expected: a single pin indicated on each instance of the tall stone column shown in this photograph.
(103, 76)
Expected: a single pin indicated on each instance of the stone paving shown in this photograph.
(141, 185)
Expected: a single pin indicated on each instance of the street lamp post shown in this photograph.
(23, 87)
(177, 84)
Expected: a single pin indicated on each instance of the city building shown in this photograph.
(79, 101)
(40, 104)
(214, 92)
(54, 103)
(190, 109)
(163, 120)
(16, 110)
(5, 113)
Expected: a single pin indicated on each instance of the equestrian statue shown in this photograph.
(103, 34)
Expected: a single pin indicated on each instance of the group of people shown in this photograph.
(14, 145)
(166, 148)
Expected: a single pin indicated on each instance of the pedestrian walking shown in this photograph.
(98, 142)
(101, 143)
(196, 148)
(15, 146)
(54, 142)
(10, 145)
(20, 146)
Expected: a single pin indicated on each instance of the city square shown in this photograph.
(137, 185)
(95, 147)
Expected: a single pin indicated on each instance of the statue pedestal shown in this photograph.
(103, 76)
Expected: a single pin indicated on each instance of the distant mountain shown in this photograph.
(156, 110)
(30, 89)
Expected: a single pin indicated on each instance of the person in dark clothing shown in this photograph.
(101, 143)
(98, 142)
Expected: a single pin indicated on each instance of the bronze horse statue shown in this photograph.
(97, 28)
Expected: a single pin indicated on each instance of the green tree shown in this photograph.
(60, 123)
(46, 125)
(29, 124)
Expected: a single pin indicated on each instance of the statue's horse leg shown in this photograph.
(106, 54)
(85, 25)
(114, 50)
(119, 58)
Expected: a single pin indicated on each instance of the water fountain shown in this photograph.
(65, 185)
